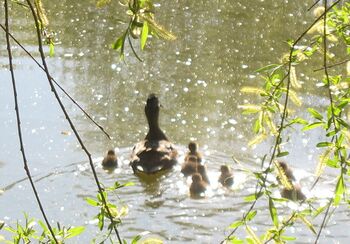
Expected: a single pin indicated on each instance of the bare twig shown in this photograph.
(332, 65)
(57, 84)
(19, 128)
(323, 221)
(53, 89)
(313, 5)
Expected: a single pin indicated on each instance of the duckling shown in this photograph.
(198, 186)
(287, 171)
(226, 177)
(192, 146)
(190, 166)
(295, 194)
(110, 161)
(155, 153)
(202, 170)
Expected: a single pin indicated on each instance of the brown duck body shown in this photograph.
(226, 177)
(295, 194)
(155, 153)
(190, 166)
(110, 161)
(198, 186)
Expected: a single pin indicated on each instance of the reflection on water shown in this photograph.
(198, 79)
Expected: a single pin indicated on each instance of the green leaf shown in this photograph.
(339, 191)
(91, 201)
(2, 224)
(136, 239)
(250, 215)
(144, 34)
(324, 144)
(268, 67)
(273, 212)
(313, 125)
(75, 231)
(119, 42)
(236, 224)
(52, 49)
(288, 238)
(282, 154)
(315, 114)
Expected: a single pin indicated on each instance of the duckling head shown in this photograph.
(224, 169)
(196, 177)
(111, 152)
(283, 165)
(192, 146)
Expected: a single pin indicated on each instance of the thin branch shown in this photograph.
(53, 89)
(19, 128)
(313, 5)
(332, 65)
(323, 221)
(133, 50)
(57, 84)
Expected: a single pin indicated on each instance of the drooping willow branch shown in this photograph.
(283, 118)
(19, 128)
(57, 84)
(53, 89)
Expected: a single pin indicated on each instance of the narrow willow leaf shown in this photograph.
(2, 224)
(307, 223)
(158, 29)
(339, 191)
(91, 201)
(281, 175)
(293, 78)
(75, 231)
(144, 35)
(273, 212)
(282, 154)
(236, 224)
(136, 239)
(258, 124)
(52, 49)
(250, 108)
(313, 126)
(252, 234)
(250, 215)
(257, 139)
(250, 198)
(295, 99)
(288, 238)
(324, 157)
(314, 113)
(268, 68)
(319, 211)
(254, 90)
(151, 240)
(119, 43)
(324, 144)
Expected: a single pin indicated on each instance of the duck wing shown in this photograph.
(153, 156)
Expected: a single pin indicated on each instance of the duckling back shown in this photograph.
(110, 161)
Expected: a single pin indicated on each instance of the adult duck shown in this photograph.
(155, 153)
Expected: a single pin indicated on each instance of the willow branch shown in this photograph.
(284, 114)
(19, 128)
(53, 89)
(57, 84)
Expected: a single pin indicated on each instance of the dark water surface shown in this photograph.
(198, 78)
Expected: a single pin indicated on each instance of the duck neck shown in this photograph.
(154, 133)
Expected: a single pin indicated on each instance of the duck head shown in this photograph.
(192, 146)
(224, 169)
(196, 177)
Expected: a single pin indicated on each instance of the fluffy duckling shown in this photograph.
(287, 171)
(202, 170)
(295, 194)
(190, 166)
(110, 161)
(155, 153)
(193, 147)
(226, 177)
(198, 186)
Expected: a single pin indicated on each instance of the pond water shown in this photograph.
(198, 79)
